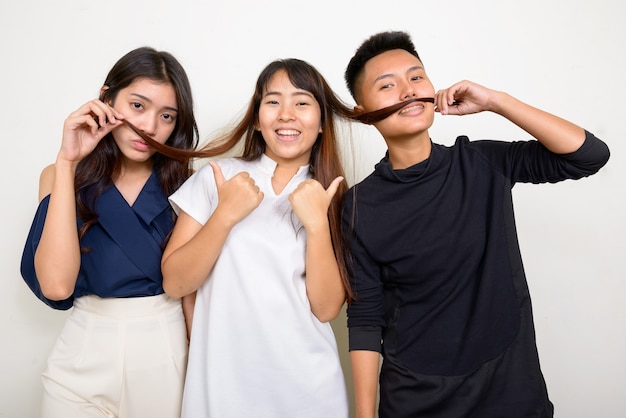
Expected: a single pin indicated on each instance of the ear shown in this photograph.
(358, 109)
(103, 89)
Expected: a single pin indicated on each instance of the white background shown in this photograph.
(564, 57)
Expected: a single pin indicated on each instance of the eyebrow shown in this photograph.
(296, 93)
(390, 75)
(142, 97)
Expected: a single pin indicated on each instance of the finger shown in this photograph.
(217, 173)
(109, 110)
(451, 94)
(441, 103)
(78, 122)
(332, 189)
(101, 112)
(114, 114)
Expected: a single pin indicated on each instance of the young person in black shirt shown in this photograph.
(436, 270)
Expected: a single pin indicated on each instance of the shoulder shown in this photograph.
(46, 179)
(486, 149)
(368, 186)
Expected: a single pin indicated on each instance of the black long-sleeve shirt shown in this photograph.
(437, 269)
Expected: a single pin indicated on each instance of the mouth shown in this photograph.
(178, 154)
(401, 108)
(411, 108)
(140, 145)
(287, 135)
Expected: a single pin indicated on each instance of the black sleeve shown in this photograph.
(531, 162)
(366, 312)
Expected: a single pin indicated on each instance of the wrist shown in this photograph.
(499, 102)
(317, 227)
(224, 217)
(62, 164)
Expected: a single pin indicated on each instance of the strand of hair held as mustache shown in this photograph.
(174, 153)
(187, 154)
(380, 114)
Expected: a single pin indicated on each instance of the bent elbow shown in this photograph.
(326, 314)
(171, 290)
(56, 292)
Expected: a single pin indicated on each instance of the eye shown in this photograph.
(302, 104)
(386, 86)
(136, 105)
(168, 117)
(271, 102)
(416, 78)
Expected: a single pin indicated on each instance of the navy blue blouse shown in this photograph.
(124, 246)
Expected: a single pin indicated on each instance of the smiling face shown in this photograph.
(289, 120)
(151, 107)
(392, 77)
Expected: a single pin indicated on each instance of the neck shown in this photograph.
(404, 153)
(283, 175)
(130, 170)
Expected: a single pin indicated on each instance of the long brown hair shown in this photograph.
(324, 163)
(98, 169)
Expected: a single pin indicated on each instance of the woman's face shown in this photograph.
(150, 106)
(289, 120)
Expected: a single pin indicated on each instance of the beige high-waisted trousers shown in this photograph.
(119, 357)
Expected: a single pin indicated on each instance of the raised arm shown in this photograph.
(57, 259)
(556, 134)
(324, 287)
(193, 248)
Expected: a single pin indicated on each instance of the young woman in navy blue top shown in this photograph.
(97, 240)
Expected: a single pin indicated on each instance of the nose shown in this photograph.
(286, 114)
(148, 124)
(408, 90)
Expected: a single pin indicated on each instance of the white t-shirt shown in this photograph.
(257, 350)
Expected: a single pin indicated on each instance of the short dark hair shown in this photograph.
(372, 47)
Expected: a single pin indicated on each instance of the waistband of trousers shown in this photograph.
(126, 307)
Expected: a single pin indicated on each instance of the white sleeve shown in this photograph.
(197, 196)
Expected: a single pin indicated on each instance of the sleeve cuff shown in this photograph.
(368, 338)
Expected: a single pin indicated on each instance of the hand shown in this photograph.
(238, 196)
(464, 98)
(310, 201)
(84, 128)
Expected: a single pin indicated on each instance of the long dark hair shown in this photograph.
(98, 169)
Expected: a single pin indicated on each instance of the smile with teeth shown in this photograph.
(411, 108)
(288, 132)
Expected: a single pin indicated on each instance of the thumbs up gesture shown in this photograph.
(237, 196)
(310, 202)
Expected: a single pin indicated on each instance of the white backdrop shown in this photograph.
(564, 57)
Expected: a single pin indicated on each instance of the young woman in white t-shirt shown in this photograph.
(259, 238)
